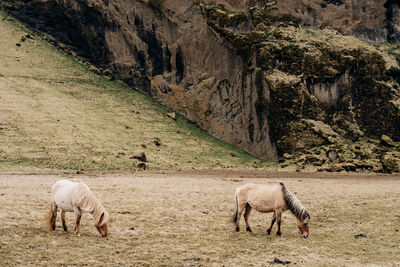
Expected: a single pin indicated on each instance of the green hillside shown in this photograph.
(57, 115)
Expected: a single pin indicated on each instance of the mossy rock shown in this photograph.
(257, 36)
(312, 108)
(387, 141)
(240, 43)
(221, 17)
(298, 137)
(391, 162)
(296, 61)
(260, 11)
(337, 167)
(349, 167)
(287, 156)
(324, 130)
(348, 156)
(372, 165)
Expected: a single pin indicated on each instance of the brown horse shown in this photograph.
(269, 198)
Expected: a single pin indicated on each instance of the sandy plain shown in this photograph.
(183, 219)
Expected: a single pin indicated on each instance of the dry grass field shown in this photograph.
(183, 220)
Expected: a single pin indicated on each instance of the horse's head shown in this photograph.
(102, 224)
(103, 230)
(303, 226)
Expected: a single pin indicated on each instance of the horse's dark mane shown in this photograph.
(294, 204)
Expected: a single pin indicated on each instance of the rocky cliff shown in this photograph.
(271, 77)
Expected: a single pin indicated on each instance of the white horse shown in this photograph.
(75, 196)
(269, 198)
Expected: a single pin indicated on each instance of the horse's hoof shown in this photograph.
(268, 232)
(78, 234)
(65, 229)
(248, 229)
(278, 233)
(237, 229)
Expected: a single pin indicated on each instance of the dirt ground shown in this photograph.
(183, 219)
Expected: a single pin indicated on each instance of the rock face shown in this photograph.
(367, 19)
(268, 76)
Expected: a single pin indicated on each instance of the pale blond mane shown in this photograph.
(88, 202)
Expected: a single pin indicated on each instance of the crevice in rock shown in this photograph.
(392, 35)
(180, 67)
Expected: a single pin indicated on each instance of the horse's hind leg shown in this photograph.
(53, 216)
(246, 217)
(63, 220)
(239, 214)
(78, 216)
(272, 223)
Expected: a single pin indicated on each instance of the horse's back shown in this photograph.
(263, 198)
(63, 192)
(260, 188)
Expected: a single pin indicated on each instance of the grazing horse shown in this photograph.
(269, 198)
(75, 196)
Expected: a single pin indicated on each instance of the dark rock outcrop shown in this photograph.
(270, 77)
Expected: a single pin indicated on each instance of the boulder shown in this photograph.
(140, 156)
(387, 141)
(391, 162)
(172, 115)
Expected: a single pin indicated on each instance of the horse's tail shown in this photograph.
(235, 215)
(49, 217)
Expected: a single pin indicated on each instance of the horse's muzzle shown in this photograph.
(305, 236)
(104, 235)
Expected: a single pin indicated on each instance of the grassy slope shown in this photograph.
(57, 115)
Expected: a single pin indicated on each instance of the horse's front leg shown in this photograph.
(78, 216)
(239, 214)
(63, 220)
(278, 221)
(246, 217)
(272, 223)
(53, 216)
